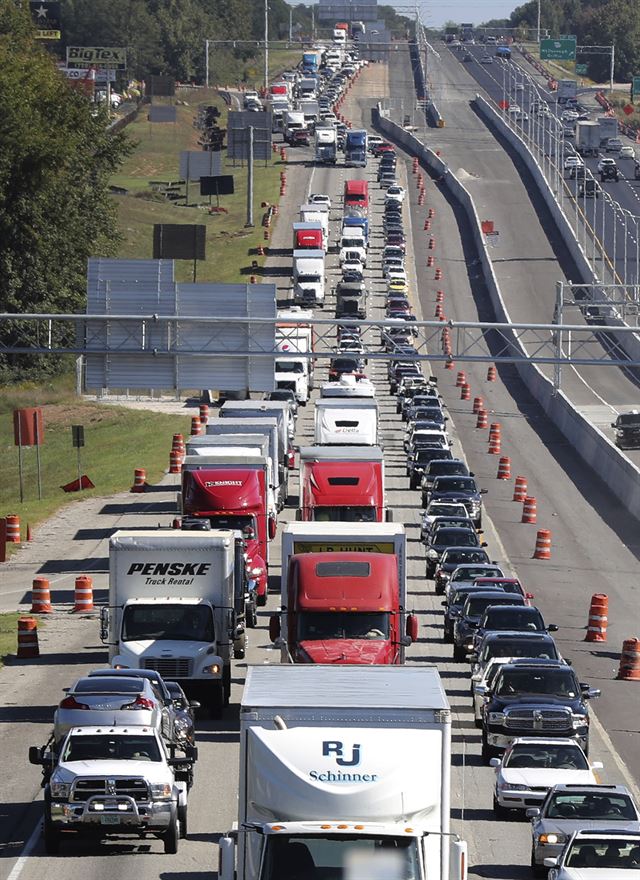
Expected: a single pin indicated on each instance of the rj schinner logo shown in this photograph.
(344, 757)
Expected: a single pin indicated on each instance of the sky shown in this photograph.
(434, 14)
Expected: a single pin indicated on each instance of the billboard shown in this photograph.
(98, 56)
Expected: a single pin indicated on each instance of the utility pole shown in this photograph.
(206, 63)
(613, 58)
(250, 179)
(539, 5)
(266, 46)
(290, 24)
(313, 24)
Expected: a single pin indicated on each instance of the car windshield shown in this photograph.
(475, 605)
(459, 537)
(141, 622)
(290, 858)
(546, 757)
(446, 510)
(591, 806)
(470, 572)
(87, 747)
(513, 618)
(288, 366)
(552, 682)
(459, 556)
(319, 625)
(514, 648)
(455, 484)
(599, 853)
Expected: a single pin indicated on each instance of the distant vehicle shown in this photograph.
(486, 59)
(613, 145)
(627, 152)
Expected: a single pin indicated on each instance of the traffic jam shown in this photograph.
(283, 522)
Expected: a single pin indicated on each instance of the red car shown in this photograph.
(300, 138)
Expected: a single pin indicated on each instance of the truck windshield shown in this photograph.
(308, 279)
(318, 625)
(289, 367)
(152, 622)
(111, 748)
(344, 514)
(304, 858)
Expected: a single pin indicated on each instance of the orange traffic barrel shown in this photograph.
(461, 379)
(450, 365)
(439, 296)
(41, 596)
(495, 444)
(430, 260)
(83, 596)
(28, 637)
(520, 489)
(432, 243)
(13, 529)
(465, 391)
(175, 462)
(529, 510)
(495, 430)
(427, 225)
(204, 413)
(629, 669)
(178, 442)
(504, 468)
(196, 426)
(432, 213)
(483, 419)
(478, 404)
(491, 374)
(139, 480)
(439, 310)
(421, 198)
(438, 275)
(598, 618)
(543, 545)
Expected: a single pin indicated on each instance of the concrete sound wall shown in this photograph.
(596, 450)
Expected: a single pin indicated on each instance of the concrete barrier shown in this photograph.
(595, 449)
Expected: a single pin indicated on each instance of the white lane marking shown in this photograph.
(26, 852)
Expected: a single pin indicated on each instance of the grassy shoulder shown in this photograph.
(117, 439)
(8, 635)
(230, 246)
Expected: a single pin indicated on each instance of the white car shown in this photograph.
(519, 87)
(531, 766)
(605, 162)
(320, 199)
(352, 266)
(569, 115)
(395, 273)
(627, 152)
(353, 255)
(572, 162)
(395, 192)
(486, 59)
(599, 855)
(439, 508)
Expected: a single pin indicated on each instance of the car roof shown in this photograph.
(517, 634)
(546, 741)
(536, 663)
(596, 787)
(137, 729)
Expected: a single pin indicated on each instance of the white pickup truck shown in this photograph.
(118, 780)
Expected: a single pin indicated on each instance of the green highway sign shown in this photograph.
(635, 87)
(581, 68)
(558, 50)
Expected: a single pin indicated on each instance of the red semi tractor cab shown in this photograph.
(342, 485)
(234, 498)
(343, 608)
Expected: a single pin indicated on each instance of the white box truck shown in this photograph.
(308, 277)
(351, 421)
(587, 137)
(293, 121)
(316, 214)
(326, 144)
(338, 762)
(293, 336)
(174, 600)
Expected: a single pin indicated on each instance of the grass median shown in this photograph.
(230, 245)
(117, 440)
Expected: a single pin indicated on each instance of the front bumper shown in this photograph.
(546, 851)
(520, 800)
(117, 813)
(502, 740)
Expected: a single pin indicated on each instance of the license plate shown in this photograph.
(109, 820)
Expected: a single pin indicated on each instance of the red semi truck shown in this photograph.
(342, 484)
(309, 236)
(233, 495)
(344, 607)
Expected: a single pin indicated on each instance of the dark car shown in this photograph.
(526, 619)
(383, 148)
(420, 399)
(399, 371)
(418, 461)
(287, 395)
(351, 307)
(185, 713)
(300, 138)
(454, 605)
(353, 276)
(627, 430)
(441, 468)
(469, 618)
(420, 413)
(535, 698)
(462, 522)
(452, 558)
(511, 585)
(512, 643)
(341, 365)
(462, 489)
(446, 538)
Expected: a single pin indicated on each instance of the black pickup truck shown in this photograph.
(627, 430)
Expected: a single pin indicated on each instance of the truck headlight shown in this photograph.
(496, 717)
(214, 669)
(60, 790)
(161, 791)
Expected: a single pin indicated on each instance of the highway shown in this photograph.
(594, 550)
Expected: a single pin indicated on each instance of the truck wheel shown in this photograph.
(216, 703)
(226, 684)
(51, 838)
(458, 654)
(500, 811)
(182, 820)
(171, 837)
(251, 616)
(261, 600)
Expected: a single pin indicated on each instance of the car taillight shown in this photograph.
(72, 703)
(139, 703)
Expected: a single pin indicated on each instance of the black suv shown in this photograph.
(535, 698)
(474, 607)
(452, 558)
(442, 468)
(527, 619)
(462, 489)
(627, 430)
(454, 604)
(446, 537)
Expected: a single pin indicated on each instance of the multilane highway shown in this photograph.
(593, 551)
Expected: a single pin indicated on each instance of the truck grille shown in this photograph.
(169, 667)
(286, 385)
(132, 787)
(538, 719)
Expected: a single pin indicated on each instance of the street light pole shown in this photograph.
(206, 63)
(266, 46)
(539, 5)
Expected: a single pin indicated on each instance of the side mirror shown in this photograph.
(389, 515)
(472, 658)
(597, 765)
(529, 596)
(274, 627)
(273, 527)
(194, 704)
(412, 627)
(483, 491)
(481, 690)
(35, 755)
(533, 812)
(495, 762)
(177, 762)
(104, 624)
(553, 627)
(298, 515)
(484, 544)
(592, 693)
(444, 604)
(550, 862)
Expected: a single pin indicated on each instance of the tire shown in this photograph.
(429, 572)
(499, 810)
(171, 836)
(261, 600)
(51, 838)
(448, 635)
(216, 701)
(538, 870)
(459, 654)
(251, 615)
(488, 752)
(226, 684)
(183, 821)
